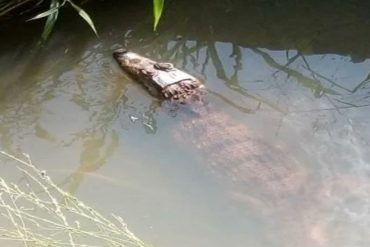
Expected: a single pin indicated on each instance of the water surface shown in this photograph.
(295, 75)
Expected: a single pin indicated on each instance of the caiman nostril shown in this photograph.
(120, 51)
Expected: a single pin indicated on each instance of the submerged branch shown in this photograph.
(330, 108)
(305, 81)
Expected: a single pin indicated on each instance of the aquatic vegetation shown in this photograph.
(157, 11)
(36, 212)
(52, 13)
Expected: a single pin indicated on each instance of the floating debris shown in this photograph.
(149, 126)
(133, 118)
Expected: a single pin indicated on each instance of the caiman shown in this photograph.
(254, 172)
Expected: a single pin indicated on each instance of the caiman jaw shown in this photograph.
(162, 80)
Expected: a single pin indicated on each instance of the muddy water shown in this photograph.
(294, 76)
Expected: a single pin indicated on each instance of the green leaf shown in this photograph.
(157, 11)
(84, 15)
(44, 14)
(50, 21)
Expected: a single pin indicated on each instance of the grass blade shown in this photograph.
(44, 14)
(50, 21)
(157, 11)
(84, 15)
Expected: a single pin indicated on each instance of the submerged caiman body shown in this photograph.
(253, 170)
(260, 175)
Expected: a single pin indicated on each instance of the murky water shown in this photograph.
(296, 77)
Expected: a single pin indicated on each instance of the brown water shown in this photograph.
(295, 75)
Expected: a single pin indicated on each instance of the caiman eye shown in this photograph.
(163, 66)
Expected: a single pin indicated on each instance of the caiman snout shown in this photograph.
(162, 80)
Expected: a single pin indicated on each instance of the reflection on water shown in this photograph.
(291, 83)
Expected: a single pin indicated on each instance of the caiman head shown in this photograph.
(162, 80)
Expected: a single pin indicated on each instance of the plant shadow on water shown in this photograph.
(292, 82)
